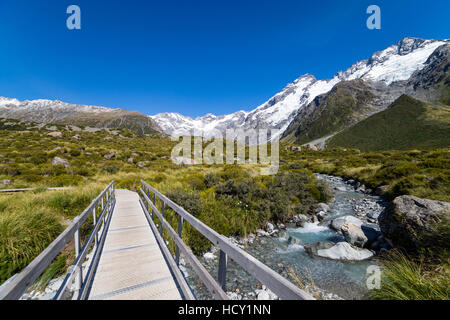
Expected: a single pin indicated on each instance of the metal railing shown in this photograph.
(274, 281)
(16, 286)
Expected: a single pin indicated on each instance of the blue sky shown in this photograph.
(193, 57)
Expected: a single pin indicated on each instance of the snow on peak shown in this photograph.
(396, 63)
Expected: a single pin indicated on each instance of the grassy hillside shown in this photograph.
(406, 124)
(119, 119)
(422, 173)
(232, 199)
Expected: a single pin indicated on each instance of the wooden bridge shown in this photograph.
(125, 256)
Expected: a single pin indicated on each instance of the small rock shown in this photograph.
(109, 155)
(55, 134)
(262, 233)
(263, 295)
(269, 227)
(60, 161)
(142, 164)
(209, 256)
(281, 226)
(322, 207)
(321, 215)
(5, 182)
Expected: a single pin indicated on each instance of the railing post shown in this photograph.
(161, 223)
(94, 215)
(223, 261)
(154, 202)
(180, 230)
(77, 254)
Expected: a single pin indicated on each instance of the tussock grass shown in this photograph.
(30, 221)
(406, 278)
(23, 236)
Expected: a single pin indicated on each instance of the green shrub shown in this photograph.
(211, 180)
(232, 172)
(31, 178)
(75, 152)
(190, 201)
(38, 158)
(196, 181)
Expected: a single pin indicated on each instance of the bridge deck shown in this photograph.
(132, 266)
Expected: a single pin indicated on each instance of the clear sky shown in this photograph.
(194, 56)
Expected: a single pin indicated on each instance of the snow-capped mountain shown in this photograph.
(396, 63)
(42, 110)
(55, 111)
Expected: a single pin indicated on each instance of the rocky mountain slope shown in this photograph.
(381, 72)
(350, 102)
(55, 111)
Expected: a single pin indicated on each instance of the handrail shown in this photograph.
(15, 287)
(201, 271)
(184, 287)
(282, 287)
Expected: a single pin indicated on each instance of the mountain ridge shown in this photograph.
(393, 64)
(386, 71)
(58, 112)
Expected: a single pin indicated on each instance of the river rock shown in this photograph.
(313, 248)
(345, 252)
(300, 220)
(409, 219)
(354, 235)
(265, 294)
(293, 240)
(322, 207)
(262, 233)
(269, 227)
(321, 215)
(209, 256)
(337, 223)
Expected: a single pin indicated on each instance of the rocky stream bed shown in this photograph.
(331, 262)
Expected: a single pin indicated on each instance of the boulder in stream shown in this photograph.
(338, 251)
(354, 235)
(337, 223)
(409, 221)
